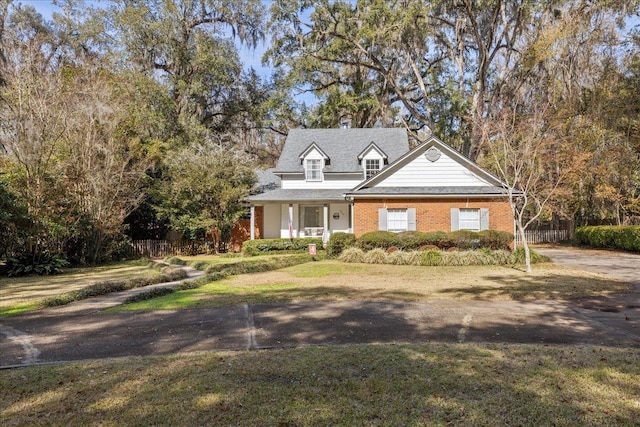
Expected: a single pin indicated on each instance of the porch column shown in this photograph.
(252, 224)
(325, 232)
(291, 221)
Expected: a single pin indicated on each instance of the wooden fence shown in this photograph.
(545, 236)
(163, 248)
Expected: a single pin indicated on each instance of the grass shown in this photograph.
(372, 385)
(22, 294)
(333, 280)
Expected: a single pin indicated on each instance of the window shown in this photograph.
(397, 220)
(314, 170)
(371, 167)
(469, 219)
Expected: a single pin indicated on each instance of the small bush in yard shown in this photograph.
(377, 240)
(431, 257)
(376, 256)
(397, 257)
(41, 264)
(413, 257)
(262, 246)
(338, 242)
(518, 256)
(465, 239)
(352, 255)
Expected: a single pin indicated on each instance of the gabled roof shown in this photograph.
(489, 184)
(342, 146)
(312, 147)
(370, 147)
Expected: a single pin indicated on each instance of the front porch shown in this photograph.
(301, 219)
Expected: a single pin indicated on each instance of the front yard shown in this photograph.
(333, 280)
(364, 385)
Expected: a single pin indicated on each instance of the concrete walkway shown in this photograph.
(80, 331)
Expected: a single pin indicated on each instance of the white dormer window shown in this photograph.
(371, 167)
(314, 169)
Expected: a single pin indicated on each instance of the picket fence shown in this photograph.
(544, 236)
(163, 248)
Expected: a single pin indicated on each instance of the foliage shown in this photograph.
(519, 257)
(496, 240)
(103, 288)
(203, 190)
(435, 257)
(352, 255)
(42, 264)
(414, 240)
(377, 239)
(260, 246)
(375, 256)
(611, 237)
(338, 242)
(431, 257)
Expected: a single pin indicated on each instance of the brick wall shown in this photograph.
(241, 231)
(431, 214)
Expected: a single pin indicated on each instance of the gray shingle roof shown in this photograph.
(297, 195)
(342, 146)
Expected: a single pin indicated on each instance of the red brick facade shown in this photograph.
(431, 214)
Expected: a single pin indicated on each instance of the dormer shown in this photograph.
(314, 160)
(372, 159)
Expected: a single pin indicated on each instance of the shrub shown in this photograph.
(376, 256)
(413, 258)
(612, 237)
(338, 242)
(410, 240)
(352, 255)
(397, 257)
(174, 260)
(42, 264)
(518, 256)
(377, 240)
(259, 265)
(465, 239)
(495, 240)
(431, 257)
(262, 246)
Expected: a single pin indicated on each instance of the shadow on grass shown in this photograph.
(355, 385)
(547, 286)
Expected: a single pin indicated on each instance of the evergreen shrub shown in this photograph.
(610, 237)
(263, 246)
(338, 242)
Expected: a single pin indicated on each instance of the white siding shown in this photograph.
(271, 220)
(328, 184)
(342, 223)
(444, 172)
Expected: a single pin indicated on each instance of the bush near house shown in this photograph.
(338, 242)
(417, 240)
(610, 237)
(262, 246)
(436, 257)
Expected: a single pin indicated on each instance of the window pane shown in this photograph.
(470, 219)
(371, 167)
(397, 219)
(312, 216)
(314, 170)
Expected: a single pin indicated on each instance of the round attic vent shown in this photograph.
(432, 154)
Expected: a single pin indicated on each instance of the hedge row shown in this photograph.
(436, 257)
(103, 288)
(611, 237)
(416, 240)
(262, 246)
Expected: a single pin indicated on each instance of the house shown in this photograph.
(361, 180)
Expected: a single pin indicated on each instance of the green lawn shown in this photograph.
(333, 280)
(20, 294)
(364, 385)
